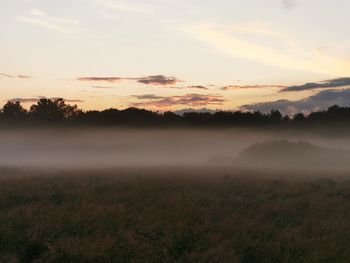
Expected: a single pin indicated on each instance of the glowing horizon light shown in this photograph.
(105, 53)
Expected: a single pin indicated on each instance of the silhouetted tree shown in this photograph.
(58, 112)
(72, 113)
(197, 118)
(47, 110)
(300, 117)
(170, 118)
(276, 116)
(13, 111)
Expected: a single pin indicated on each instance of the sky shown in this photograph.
(292, 55)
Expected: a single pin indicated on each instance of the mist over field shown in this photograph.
(111, 148)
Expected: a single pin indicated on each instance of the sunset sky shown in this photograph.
(177, 54)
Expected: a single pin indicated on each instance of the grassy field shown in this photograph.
(174, 215)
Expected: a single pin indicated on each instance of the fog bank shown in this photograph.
(108, 148)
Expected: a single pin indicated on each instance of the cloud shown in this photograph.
(193, 100)
(150, 80)
(147, 97)
(158, 80)
(40, 18)
(70, 100)
(333, 83)
(101, 87)
(190, 87)
(6, 75)
(36, 99)
(289, 4)
(128, 6)
(238, 87)
(14, 76)
(23, 77)
(197, 87)
(321, 100)
(286, 52)
(101, 79)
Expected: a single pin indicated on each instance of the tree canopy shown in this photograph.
(58, 112)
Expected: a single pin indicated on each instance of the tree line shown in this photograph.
(58, 112)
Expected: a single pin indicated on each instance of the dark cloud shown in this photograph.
(238, 87)
(193, 100)
(190, 87)
(333, 83)
(14, 76)
(158, 80)
(101, 79)
(147, 97)
(150, 80)
(36, 99)
(197, 87)
(322, 100)
(289, 4)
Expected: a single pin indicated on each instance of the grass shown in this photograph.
(174, 215)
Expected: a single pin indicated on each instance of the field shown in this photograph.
(174, 215)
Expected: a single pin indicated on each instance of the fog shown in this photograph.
(108, 148)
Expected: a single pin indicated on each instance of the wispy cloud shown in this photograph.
(69, 100)
(4, 75)
(102, 87)
(150, 80)
(101, 79)
(128, 6)
(193, 100)
(241, 87)
(147, 97)
(194, 87)
(289, 4)
(286, 54)
(40, 18)
(23, 77)
(197, 87)
(332, 83)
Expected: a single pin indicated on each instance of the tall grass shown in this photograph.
(174, 215)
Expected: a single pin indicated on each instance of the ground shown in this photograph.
(174, 215)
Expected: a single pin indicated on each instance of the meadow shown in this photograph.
(174, 215)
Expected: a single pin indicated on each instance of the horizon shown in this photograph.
(172, 55)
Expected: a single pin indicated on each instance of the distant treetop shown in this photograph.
(57, 112)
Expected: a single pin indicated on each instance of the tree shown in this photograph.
(56, 110)
(276, 116)
(13, 111)
(300, 117)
